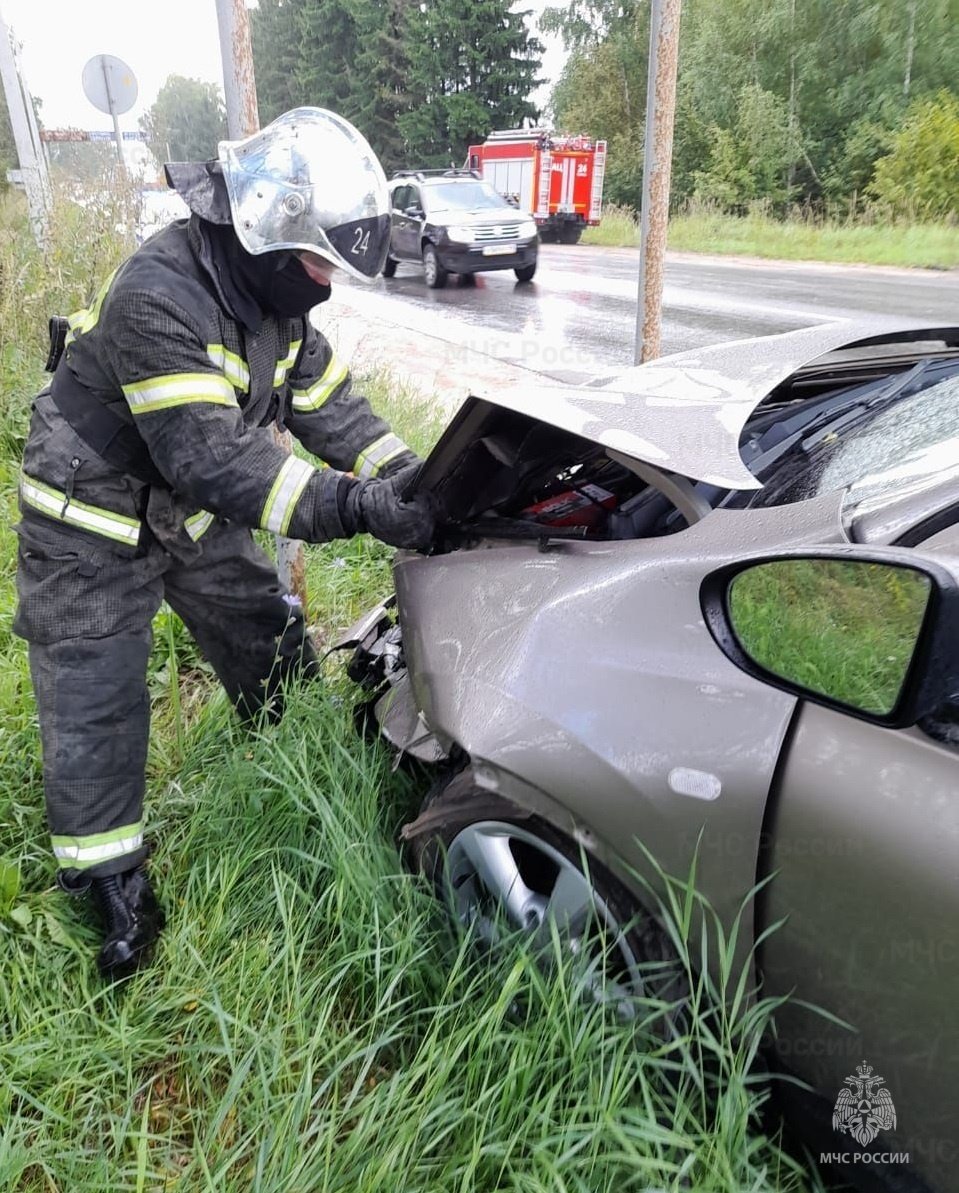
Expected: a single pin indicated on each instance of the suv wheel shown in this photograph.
(389, 267)
(526, 273)
(436, 275)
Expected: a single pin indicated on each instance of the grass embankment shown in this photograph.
(932, 246)
(311, 1023)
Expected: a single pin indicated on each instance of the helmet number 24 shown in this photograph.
(361, 243)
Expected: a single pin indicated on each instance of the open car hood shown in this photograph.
(682, 413)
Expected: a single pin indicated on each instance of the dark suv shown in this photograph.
(454, 222)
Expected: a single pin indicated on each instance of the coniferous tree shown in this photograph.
(473, 67)
(420, 78)
(277, 46)
(346, 55)
(383, 91)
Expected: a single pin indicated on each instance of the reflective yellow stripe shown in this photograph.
(283, 366)
(281, 501)
(85, 320)
(313, 398)
(77, 853)
(372, 458)
(179, 389)
(57, 505)
(233, 366)
(198, 524)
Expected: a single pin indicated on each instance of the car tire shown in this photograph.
(389, 267)
(462, 829)
(526, 273)
(436, 275)
(571, 234)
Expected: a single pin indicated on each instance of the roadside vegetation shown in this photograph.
(705, 228)
(311, 1021)
(815, 131)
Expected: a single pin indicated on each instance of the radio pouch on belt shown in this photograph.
(59, 326)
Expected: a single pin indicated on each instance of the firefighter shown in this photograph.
(152, 454)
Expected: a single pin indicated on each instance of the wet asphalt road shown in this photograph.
(577, 318)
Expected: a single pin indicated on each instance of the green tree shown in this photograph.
(751, 161)
(472, 68)
(347, 55)
(824, 85)
(277, 46)
(186, 121)
(382, 69)
(919, 178)
(420, 78)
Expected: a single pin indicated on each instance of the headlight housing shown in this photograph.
(460, 234)
(527, 230)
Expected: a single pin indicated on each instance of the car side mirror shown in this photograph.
(873, 634)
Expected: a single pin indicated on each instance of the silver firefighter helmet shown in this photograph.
(310, 181)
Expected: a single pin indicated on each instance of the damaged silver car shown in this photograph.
(711, 605)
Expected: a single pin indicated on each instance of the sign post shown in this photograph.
(110, 85)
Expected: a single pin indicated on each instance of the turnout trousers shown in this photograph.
(86, 612)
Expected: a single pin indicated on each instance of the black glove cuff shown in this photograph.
(348, 506)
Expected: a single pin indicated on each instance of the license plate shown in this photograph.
(497, 250)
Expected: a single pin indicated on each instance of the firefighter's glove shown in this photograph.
(377, 507)
(405, 460)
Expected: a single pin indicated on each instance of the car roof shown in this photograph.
(686, 413)
(423, 179)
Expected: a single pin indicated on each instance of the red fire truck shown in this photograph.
(559, 179)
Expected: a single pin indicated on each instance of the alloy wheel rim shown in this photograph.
(499, 872)
(429, 265)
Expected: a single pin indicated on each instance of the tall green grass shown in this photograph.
(704, 230)
(312, 1022)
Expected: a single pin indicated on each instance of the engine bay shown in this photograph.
(514, 476)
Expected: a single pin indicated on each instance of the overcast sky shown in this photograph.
(167, 37)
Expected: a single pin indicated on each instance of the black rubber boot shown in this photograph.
(132, 920)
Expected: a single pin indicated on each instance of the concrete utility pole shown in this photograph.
(33, 165)
(657, 165)
(242, 120)
(239, 85)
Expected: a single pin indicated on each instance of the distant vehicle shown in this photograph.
(454, 222)
(558, 178)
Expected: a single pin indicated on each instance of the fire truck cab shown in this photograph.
(558, 178)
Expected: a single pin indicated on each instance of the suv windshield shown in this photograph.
(907, 444)
(461, 196)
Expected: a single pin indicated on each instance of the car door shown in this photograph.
(862, 837)
(399, 231)
(406, 227)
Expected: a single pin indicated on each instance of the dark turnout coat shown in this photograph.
(162, 350)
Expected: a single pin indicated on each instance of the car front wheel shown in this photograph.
(389, 267)
(525, 274)
(436, 275)
(500, 871)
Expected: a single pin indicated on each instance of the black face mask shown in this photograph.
(273, 283)
(291, 290)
